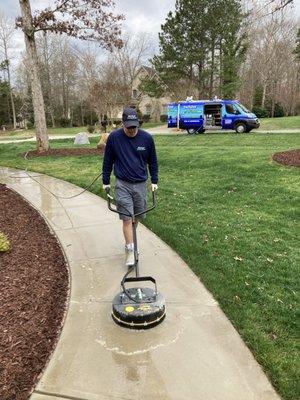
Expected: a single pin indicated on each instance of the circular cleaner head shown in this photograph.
(145, 308)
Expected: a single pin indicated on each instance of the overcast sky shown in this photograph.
(141, 16)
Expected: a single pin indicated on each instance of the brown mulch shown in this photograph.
(66, 152)
(291, 157)
(34, 287)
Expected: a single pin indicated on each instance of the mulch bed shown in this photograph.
(34, 287)
(291, 157)
(66, 152)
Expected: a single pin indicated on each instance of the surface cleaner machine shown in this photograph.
(137, 307)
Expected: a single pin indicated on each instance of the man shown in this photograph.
(130, 151)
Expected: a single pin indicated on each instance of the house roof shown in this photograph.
(150, 71)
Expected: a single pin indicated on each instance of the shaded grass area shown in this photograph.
(280, 123)
(232, 214)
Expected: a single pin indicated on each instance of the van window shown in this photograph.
(232, 109)
(243, 108)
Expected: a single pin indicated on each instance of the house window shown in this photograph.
(134, 93)
(165, 109)
(148, 109)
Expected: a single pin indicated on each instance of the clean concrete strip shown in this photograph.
(159, 130)
(51, 137)
(37, 395)
(194, 354)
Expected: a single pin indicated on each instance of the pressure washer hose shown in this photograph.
(78, 194)
(55, 195)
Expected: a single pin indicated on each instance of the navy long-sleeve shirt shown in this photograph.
(130, 157)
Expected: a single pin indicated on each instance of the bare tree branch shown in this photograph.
(83, 19)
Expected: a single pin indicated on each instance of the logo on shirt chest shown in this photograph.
(141, 148)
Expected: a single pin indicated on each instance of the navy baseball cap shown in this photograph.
(130, 118)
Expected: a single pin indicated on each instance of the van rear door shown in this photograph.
(172, 115)
(191, 116)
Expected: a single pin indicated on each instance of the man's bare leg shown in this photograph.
(129, 247)
(127, 231)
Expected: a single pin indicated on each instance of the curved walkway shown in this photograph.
(194, 354)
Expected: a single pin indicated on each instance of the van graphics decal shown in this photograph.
(227, 121)
(141, 148)
(191, 111)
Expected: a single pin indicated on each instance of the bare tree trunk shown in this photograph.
(81, 111)
(37, 95)
(220, 67)
(52, 119)
(12, 100)
(264, 95)
(8, 109)
(211, 81)
(10, 89)
(200, 80)
(273, 100)
(46, 60)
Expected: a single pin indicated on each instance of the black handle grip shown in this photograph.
(109, 198)
(137, 279)
(140, 279)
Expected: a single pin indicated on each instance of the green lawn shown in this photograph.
(21, 134)
(280, 123)
(31, 132)
(232, 214)
(147, 125)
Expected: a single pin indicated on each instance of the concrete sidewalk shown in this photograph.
(163, 130)
(51, 137)
(194, 354)
(159, 130)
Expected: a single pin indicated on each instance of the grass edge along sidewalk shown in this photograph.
(268, 124)
(231, 213)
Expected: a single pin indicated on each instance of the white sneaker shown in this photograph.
(129, 258)
(126, 250)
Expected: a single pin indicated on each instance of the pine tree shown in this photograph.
(201, 48)
(232, 48)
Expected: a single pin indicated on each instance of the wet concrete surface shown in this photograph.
(194, 354)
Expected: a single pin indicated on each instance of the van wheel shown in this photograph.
(191, 131)
(240, 127)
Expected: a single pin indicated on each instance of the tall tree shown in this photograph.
(77, 18)
(297, 49)
(232, 48)
(201, 48)
(6, 33)
(270, 74)
(45, 46)
(129, 60)
(278, 5)
(183, 44)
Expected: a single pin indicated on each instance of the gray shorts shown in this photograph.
(131, 198)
